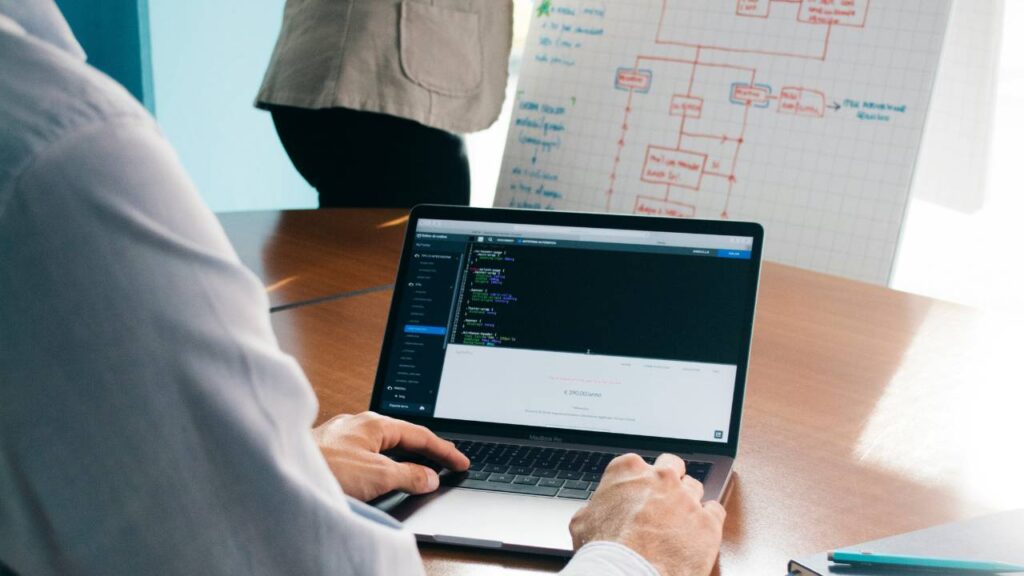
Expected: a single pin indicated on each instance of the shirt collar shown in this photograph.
(40, 19)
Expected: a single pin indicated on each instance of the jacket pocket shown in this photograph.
(440, 48)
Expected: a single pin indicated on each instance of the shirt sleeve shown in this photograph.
(608, 559)
(149, 423)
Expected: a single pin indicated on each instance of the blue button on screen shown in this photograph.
(743, 254)
(429, 330)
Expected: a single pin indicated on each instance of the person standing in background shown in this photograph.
(369, 96)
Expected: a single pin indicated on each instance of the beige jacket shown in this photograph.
(443, 63)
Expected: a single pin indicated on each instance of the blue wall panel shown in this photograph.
(114, 34)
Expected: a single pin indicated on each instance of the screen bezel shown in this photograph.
(588, 220)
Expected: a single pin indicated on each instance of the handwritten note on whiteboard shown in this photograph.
(803, 115)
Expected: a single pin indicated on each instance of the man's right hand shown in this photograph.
(656, 511)
(352, 446)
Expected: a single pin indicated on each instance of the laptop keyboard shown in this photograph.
(539, 471)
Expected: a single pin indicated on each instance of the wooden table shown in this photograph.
(868, 412)
(303, 257)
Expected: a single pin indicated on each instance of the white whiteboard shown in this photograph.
(803, 115)
(952, 169)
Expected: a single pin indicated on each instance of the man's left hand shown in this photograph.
(352, 445)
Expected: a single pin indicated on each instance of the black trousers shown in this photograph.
(361, 159)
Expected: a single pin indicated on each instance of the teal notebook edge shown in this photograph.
(995, 537)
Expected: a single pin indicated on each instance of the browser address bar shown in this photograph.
(570, 230)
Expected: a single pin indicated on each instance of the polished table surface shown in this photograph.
(303, 257)
(868, 412)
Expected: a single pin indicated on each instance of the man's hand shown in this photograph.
(655, 511)
(352, 445)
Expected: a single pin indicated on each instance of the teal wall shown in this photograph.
(208, 60)
(115, 36)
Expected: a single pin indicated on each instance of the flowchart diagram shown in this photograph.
(805, 115)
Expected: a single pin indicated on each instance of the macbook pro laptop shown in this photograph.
(544, 344)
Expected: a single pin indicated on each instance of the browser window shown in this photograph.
(623, 331)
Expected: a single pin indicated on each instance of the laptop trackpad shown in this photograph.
(491, 520)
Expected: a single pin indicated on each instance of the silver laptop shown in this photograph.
(545, 344)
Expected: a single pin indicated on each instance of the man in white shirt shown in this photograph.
(149, 423)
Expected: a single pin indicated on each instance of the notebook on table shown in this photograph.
(997, 537)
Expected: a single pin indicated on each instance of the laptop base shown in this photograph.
(512, 522)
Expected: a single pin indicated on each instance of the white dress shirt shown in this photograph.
(149, 423)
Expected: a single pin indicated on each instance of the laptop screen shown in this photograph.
(590, 329)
